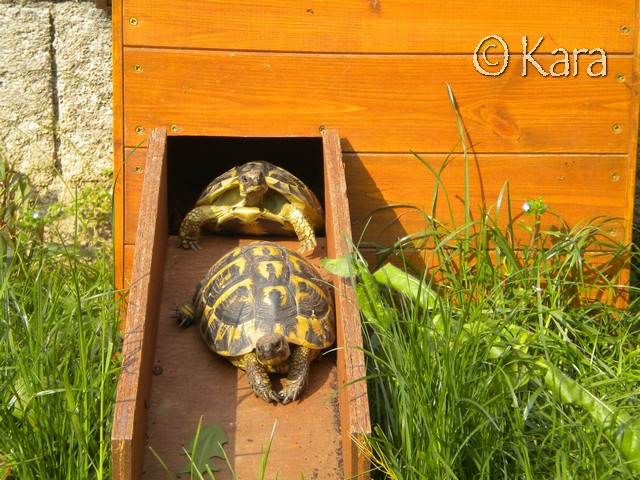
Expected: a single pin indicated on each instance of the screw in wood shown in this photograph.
(137, 68)
(133, 21)
(174, 128)
(139, 130)
(624, 29)
(617, 128)
(620, 77)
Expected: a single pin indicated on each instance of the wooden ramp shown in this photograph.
(170, 379)
(189, 382)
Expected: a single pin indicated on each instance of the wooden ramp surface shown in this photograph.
(191, 382)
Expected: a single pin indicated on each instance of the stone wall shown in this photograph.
(55, 94)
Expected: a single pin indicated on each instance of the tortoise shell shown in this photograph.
(283, 188)
(260, 288)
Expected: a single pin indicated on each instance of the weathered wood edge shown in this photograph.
(129, 425)
(118, 142)
(355, 421)
(634, 84)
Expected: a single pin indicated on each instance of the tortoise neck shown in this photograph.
(254, 199)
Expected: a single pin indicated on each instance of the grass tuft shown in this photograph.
(513, 354)
(59, 338)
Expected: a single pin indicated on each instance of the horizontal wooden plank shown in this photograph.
(578, 188)
(380, 103)
(374, 26)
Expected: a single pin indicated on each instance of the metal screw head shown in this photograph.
(139, 130)
(614, 176)
(624, 29)
(174, 128)
(137, 169)
(620, 77)
(617, 128)
(133, 21)
(137, 68)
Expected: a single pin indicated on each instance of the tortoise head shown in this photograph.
(253, 186)
(272, 349)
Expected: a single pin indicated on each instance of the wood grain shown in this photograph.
(191, 382)
(182, 362)
(129, 424)
(354, 407)
(578, 187)
(380, 103)
(134, 169)
(118, 142)
(128, 252)
(119, 229)
(376, 26)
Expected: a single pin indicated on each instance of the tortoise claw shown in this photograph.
(184, 321)
(272, 396)
(291, 392)
(185, 318)
(308, 245)
(259, 382)
(188, 244)
(268, 395)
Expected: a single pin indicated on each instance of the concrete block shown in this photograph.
(26, 92)
(83, 82)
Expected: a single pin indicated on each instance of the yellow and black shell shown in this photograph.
(283, 188)
(260, 288)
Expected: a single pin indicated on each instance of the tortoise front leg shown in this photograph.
(189, 232)
(301, 226)
(298, 374)
(259, 379)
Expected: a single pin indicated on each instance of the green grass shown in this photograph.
(59, 338)
(501, 360)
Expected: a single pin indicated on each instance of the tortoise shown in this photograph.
(256, 198)
(265, 308)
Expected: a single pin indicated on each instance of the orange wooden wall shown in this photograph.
(377, 71)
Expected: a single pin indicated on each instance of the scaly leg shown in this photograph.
(301, 226)
(298, 374)
(190, 228)
(259, 379)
